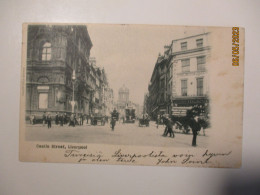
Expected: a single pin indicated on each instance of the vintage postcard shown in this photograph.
(132, 94)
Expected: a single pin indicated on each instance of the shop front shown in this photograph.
(200, 103)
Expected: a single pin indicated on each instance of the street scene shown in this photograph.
(123, 134)
(118, 85)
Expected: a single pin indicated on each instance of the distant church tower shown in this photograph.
(123, 95)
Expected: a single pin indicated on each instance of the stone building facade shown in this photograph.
(102, 97)
(54, 52)
(180, 76)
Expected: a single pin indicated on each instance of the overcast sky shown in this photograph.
(129, 52)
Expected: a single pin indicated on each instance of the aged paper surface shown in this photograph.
(173, 94)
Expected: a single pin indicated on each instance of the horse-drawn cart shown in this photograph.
(144, 121)
(181, 118)
(98, 119)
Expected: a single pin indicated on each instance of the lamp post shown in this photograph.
(73, 85)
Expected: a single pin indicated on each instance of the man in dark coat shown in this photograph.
(195, 126)
(57, 118)
(114, 116)
(72, 120)
(44, 119)
(49, 121)
(81, 119)
(168, 127)
(61, 119)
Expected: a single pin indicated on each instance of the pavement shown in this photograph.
(124, 134)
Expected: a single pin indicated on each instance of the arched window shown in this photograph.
(43, 80)
(46, 52)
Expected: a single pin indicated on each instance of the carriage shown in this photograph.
(129, 115)
(181, 118)
(144, 121)
(98, 119)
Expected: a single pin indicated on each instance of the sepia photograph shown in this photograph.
(129, 97)
(132, 92)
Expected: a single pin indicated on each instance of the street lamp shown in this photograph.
(73, 85)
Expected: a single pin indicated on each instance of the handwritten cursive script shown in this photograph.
(155, 157)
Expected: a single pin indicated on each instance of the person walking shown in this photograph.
(49, 121)
(44, 119)
(168, 128)
(72, 120)
(32, 119)
(195, 126)
(114, 115)
(61, 119)
(158, 120)
(81, 119)
(57, 118)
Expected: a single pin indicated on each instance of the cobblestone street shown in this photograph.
(124, 134)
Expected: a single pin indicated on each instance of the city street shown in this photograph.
(124, 134)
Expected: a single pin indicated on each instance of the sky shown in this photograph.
(128, 53)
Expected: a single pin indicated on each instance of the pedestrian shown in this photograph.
(57, 118)
(65, 118)
(195, 126)
(158, 120)
(81, 119)
(168, 128)
(32, 119)
(87, 116)
(61, 119)
(44, 119)
(72, 120)
(49, 121)
(113, 123)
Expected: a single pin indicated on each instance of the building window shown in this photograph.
(184, 87)
(46, 52)
(184, 46)
(201, 61)
(43, 100)
(185, 65)
(199, 42)
(199, 86)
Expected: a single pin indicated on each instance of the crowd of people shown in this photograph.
(191, 120)
(62, 119)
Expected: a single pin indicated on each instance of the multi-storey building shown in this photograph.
(61, 77)
(157, 102)
(146, 103)
(109, 100)
(190, 62)
(180, 77)
(107, 95)
(54, 52)
(102, 97)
